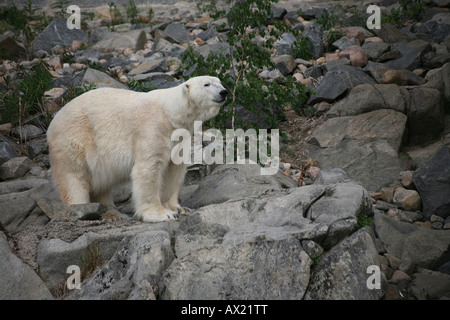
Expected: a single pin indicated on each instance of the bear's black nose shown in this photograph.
(223, 93)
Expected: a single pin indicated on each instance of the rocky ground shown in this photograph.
(375, 193)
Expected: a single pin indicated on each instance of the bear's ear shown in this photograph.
(185, 88)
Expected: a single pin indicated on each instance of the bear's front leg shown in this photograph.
(146, 178)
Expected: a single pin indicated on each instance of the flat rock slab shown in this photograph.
(235, 181)
(151, 65)
(306, 213)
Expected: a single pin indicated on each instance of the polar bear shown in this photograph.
(107, 136)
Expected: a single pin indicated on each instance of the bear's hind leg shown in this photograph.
(106, 199)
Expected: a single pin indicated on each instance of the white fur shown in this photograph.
(107, 136)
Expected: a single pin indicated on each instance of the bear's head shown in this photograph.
(206, 94)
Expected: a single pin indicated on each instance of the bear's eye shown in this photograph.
(206, 84)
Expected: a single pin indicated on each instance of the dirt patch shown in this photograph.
(294, 149)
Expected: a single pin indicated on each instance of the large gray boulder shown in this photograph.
(18, 203)
(440, 79)
(375, 49)
(366, 146)
(15, 168)
(176, 32)
(367, 97)
(391, 34)
(414, 245)
(425, 115)
(18, 280)
(432, 181)
(253, 270)
(136, 266)
(55, 255)
(57, 33)
(412, 53)
(314, 33)
(134, 39)
(423, 106)
(6, 151)
(100, 79)
(430, 285)
(16, 208)
(338, 81)
(11, 49)
(341, 274)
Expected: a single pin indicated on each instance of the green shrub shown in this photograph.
(14, 16)
(364, 220)
(328, 20)
(238, 68)
(141, 86)
(150, 15)
(116, 16)
(73, 92)
(409, 10)
(210, 7)
(60, 6)
(23, 97)
(132, 12)
(19, 18)
(302, 49)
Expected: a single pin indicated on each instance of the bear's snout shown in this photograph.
(222, 96)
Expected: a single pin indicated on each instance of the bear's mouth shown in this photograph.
(221, 100)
